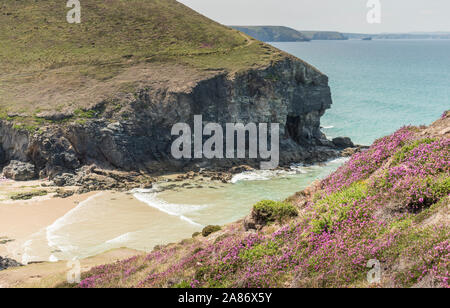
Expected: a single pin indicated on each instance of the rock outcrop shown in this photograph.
(7, 263)
(343, 142)
(19, 171)
(138, 136)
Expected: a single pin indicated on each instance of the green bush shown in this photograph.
(259, 251)
(208, 230)
(322, 223)
(334, 208)
(271, 211)
(441, 188)
(197, 250)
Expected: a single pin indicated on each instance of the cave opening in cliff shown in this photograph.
(293, 128)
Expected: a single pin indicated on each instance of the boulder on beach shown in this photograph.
(20, 171)
(343, 142)
(6, 263)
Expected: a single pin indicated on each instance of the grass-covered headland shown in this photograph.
(49, 65)
(390, 203)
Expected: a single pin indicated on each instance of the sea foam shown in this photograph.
(60, 242)
(150, 197)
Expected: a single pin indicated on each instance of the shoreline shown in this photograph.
(33, 215)
(51, 275)
(42, 212)
(94, 178)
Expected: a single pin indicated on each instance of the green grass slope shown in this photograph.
(48, 64)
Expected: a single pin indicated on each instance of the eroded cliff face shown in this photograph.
(14, 143)
(137, 136)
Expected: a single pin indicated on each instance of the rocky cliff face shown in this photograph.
(137, 136)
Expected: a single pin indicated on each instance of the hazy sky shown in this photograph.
(338, 15)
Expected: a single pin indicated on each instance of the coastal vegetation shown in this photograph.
(271, 211)
(29, 195)
(108, 91)
(208, 230)
(389, 203)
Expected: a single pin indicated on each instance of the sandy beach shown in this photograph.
(20, 219)
(50, 275)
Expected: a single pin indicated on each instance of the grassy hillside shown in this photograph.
(390, 203)
(272, 33)
(49, 64)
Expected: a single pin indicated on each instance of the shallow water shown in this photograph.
(143, 219)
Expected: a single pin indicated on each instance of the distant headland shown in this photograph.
(286, 34)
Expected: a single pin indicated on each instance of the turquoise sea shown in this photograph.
(381, 85)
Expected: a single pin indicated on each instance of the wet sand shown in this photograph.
(21, 219)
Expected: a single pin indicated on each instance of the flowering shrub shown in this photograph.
(433, 246)
(363, 164)
(419, 174)
(335, 207)
(344, 225)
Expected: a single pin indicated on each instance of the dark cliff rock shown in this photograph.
(20, 171)
(138, 136)
(343, 142)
